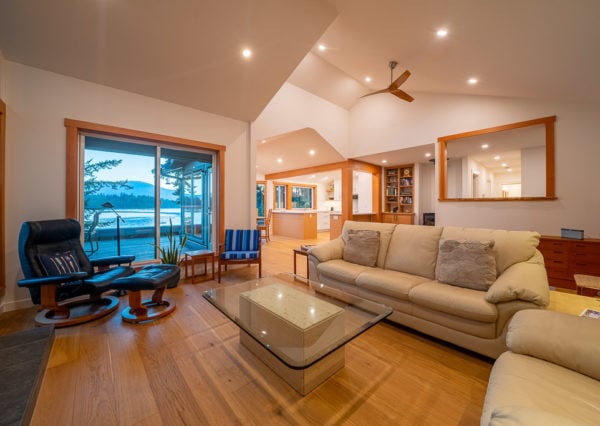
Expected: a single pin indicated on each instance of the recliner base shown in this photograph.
(76, 311)
(148, 310)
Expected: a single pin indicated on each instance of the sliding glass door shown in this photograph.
(135, 192)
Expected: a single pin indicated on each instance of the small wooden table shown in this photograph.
(200, 255)
(570, 303)
(304, 253)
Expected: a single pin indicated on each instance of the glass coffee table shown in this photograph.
(296, 326)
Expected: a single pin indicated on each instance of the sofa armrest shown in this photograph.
(566, 340)
(526, 281)
(329, 250)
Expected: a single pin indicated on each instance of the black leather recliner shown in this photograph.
(59, 275)
(57, 269)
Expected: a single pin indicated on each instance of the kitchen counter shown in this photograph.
(300, 224)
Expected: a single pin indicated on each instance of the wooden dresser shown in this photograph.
(565, 257)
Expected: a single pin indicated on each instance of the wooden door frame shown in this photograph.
(2, 193)
(75, 128)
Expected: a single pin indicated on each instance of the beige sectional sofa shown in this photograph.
(401, 269)
(549, 376)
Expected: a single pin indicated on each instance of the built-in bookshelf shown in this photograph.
(399, 189)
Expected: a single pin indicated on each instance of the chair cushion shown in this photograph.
(239, 255)
(237, 240)
(59, 263)
(150, 277)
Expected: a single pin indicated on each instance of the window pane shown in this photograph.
(118, 199)
(302, 197)
(280, 196)
(260, 199)
(186, 180)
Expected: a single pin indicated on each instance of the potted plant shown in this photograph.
(171, 254)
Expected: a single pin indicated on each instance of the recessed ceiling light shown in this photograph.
(485, 146)
(428, 154)
(280, 160)
(263, 141)
(322, 47)
(368, 79)
(504, 165)
(384, 161)
(497, 157)
(312, 152)
(246, 53)
(509, 170)
(472, 80)
(441, 33)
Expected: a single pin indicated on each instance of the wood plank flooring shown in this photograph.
(189, 369)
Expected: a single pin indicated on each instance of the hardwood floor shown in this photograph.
(189, 369)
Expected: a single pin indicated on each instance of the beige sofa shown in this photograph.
(549, 376)
(403, 276)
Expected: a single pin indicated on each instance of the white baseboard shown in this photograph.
(16, 305)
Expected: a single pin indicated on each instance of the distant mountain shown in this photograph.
(140, 188)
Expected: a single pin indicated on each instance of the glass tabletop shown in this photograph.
(298, 320)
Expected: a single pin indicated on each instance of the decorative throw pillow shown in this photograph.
(466, 263)
(59, 263)
(362, 247)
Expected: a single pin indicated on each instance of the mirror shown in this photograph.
(503, 163)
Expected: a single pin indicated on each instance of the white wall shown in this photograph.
(293, 109)
(382, 123)
(37, 104)
(533, 171)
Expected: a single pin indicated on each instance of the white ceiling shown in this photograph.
(189, 52)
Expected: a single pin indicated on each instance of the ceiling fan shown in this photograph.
(394, 87)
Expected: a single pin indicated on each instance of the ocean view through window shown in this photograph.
(147, 187)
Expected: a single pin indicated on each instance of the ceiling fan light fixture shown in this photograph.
(394, 87)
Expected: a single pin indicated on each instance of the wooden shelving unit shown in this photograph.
(398, 189)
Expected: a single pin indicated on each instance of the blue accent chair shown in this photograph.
(240, 246)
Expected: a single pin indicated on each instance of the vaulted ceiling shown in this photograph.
(189, 53)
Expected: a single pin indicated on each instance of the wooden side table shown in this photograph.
(200, 255)
(304, 253)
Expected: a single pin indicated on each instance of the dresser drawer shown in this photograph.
(591, 249)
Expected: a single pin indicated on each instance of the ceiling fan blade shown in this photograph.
(375, 93)
(397, 82)
(402, 95)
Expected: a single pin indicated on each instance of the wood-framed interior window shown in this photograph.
(290, 196)
(78, 130)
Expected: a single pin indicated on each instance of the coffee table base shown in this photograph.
(305, 380)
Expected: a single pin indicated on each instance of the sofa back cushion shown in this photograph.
(510, 247)
(385, 233)
(413, 249)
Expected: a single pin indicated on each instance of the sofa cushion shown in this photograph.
(466, 263)
(458, 301)
(541, 333)
(413, 249)
(385, 233)
(362, 247)
(521, 380)
(391, 283)
(519, 415)
(341, 270)
(510, 247)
